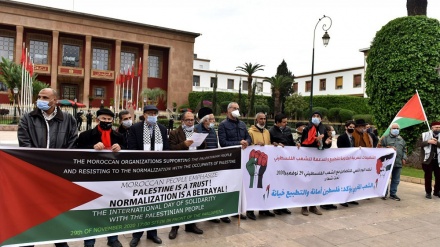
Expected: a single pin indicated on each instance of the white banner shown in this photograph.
(276, 177)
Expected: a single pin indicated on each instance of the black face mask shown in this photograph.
(105, 125)
(350, 131)
(436, 132)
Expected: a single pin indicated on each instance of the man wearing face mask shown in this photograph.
(259, 136)
(360, 136)
(372, 134)
(207, 126)
(430, 150)
(396, 142)
(233, 132)
(124, 128)
(47, 127)
(180, 139)
(100, 138)
(346, 140)
(315, 135)
(148, 135)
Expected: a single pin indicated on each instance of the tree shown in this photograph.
(400, 61)
(154, 94)
(250, 69)
(294, 104)
(416, 7)
(288, 89)
(278, 83)
(10, 74)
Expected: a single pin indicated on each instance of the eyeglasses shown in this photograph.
(188, 120)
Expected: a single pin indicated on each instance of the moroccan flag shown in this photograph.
(23, 55)
(132, 71)
(411, 114)
(140, 67)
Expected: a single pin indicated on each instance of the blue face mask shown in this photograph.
(315, 120)
(152, 119)
(395, 132)
(43, 105)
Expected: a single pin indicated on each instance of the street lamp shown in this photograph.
(15, 90)
(102, 104)
(325, 40)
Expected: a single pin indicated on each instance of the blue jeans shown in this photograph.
(92, 241)
(395, 180)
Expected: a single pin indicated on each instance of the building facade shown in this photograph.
(81, 55)
(204, 78)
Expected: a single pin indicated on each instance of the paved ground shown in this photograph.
(414, 221)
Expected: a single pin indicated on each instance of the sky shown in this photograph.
(234, 32)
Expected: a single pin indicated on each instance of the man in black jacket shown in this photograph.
(47, 127)
(148, 135)
(99, 138)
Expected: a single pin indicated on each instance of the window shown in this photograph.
(213, 80)
(230, 83)
(259, 88)
(153, 66)
(69, 92)
(322, 84)
(245, 86)
(3, 87)
(196, 80)
(39, 51)
(100, 59)
(99, 92)
(127, 94)
(127, 60)
(7, 48)
(295, 87)
(308, 86)
(70, 56)
(339, 82)
(357, 80)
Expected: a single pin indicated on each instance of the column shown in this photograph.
(87, 69)
(145, 67)
(54, 63)
(117, 69)
(18, 44)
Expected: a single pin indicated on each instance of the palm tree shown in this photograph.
(154, 94)
(250, 69)
(278, 82)
(10, 74)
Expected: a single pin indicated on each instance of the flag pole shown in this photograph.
(423, 109)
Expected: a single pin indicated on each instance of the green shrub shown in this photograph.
(262, 108)
(224, 106)
(333, 114)
(345, 115)
(357, 104)
(367, 117)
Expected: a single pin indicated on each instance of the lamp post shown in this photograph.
(325, 40)
(102, 104)
(15, 90)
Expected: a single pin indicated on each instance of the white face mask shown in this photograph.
(260, 126)
(235, 114)
(211, 125)
(333, 133)
(187, 128)
(127, 123)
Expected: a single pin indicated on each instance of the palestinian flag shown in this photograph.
(411, 114)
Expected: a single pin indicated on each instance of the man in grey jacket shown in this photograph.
(396, 142)
(47, 127)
